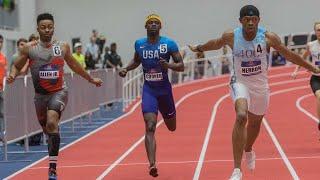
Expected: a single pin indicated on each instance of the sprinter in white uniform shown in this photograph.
(249, 77)
(249, 83)
(313, 50)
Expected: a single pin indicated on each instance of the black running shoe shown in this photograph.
(52, 174)
(153, 171)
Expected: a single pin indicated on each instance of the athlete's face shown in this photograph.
(46, 29)
(250, 23)
(153, 26)
(317, 30)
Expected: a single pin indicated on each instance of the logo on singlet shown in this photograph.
(49, 71)
(249, 68)
(153, 75)
(251, 53)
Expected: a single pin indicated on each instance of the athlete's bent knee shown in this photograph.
(150, 127)
(51, 127)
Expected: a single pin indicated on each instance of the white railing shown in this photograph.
(20, 120)
(132, 84)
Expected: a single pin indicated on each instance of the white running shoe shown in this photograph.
(251, 160)
(236, 174)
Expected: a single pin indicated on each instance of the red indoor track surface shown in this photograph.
(117, 150)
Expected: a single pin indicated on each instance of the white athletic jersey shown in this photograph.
(314, 48)
(250, 62)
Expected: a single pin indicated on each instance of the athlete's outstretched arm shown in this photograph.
(18, 64)
(176, 66)
(274, 41)
(304, 56)
(77, 68)
(134, 63)
(214, 44)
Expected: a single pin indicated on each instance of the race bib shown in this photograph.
(163, 48)
(153, 76)
(56, 51)
(250, 68)
(49, 72)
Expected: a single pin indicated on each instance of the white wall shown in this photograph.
(27, 15)
(186, 21)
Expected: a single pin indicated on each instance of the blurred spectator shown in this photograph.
(78, 54)
(8, 5)
(33, 37)
(94, 34)
(20, 44)
(100, 41)
(225, 68)
(199, 69)
(93, 49)
(106, 56)
(113, 60)
(90, 64)
(277, 59)
(3, 69)
(3, 63)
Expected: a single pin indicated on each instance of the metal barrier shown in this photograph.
(132, 85)
(20, 120)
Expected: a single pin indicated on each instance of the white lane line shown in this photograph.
(207, 137)
(298, 105)
(177, 162)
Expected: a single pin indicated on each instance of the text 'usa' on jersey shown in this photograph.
(46, 66)
(150, 54)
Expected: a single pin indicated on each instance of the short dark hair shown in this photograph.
(1, 37)
(44, 16)
(21, 40)
(33, 37)
(113, 44)
(249, 10)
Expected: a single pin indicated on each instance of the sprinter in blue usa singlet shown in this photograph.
(154, 53)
